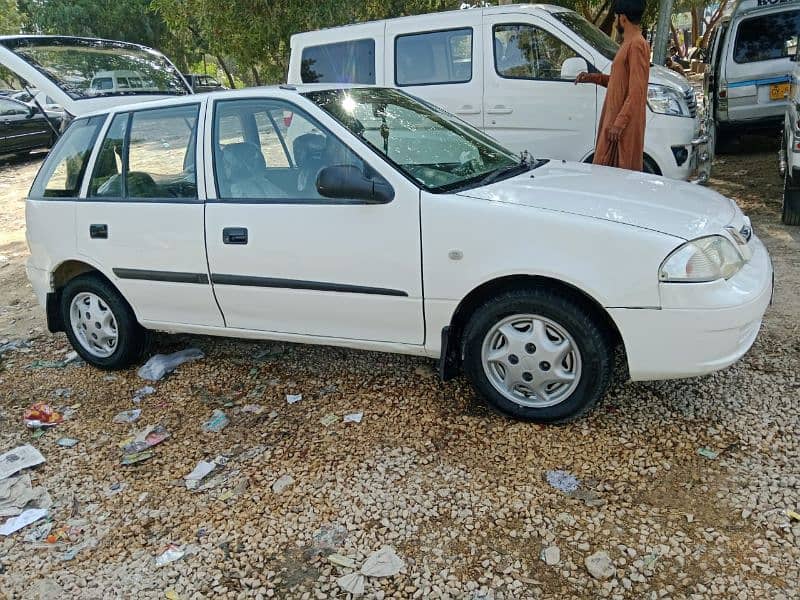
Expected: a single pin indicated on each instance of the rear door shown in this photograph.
(140, 218)
(18, 130)
(528, 104)
(758, 64)
(440, 62)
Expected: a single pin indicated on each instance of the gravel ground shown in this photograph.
(457, 490)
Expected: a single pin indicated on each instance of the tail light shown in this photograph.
(723, 93)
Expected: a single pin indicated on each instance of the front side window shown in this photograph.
(270, 150)
(528, 52)
(148, 154)
(599, 41)
(767, 37)
(434, 149)
(341, 62)
(62, 172)
(434, 57)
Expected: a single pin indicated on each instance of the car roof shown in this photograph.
(283, 91)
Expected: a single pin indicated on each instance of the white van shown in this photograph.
(748, 77)
(119, 81)
(510, 71)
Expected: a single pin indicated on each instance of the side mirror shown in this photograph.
(571, 67)
(349, 183)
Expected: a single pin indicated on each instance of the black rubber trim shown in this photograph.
(170, 276)
(299, 284)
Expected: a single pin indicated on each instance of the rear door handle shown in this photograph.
(98, 231)
(500, 110)
(234, 235)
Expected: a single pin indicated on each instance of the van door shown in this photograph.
(140, 219)
(439, 62)
(527, 103)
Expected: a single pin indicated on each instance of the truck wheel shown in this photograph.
(791, 200)
(100, 324)
(537, 355)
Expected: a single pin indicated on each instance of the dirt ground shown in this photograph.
(457, 490)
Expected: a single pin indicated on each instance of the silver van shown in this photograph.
(748, 77)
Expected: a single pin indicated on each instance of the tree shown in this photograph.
(10, 17)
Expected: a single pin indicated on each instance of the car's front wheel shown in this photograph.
(537, 355)
(100, 324)
(791, 199)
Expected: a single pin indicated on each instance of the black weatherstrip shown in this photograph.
(298, 284)
(171, 276)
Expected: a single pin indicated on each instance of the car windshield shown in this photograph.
(590, 34)
(88, 68)
(435, 149)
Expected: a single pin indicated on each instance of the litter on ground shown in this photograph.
(41, 415)
(564, 481)
(217, 422)
(293, 398)
(170, 554)
(22, 520)
(137, 457)
(66, 442)
(708, 453)
(22, 457)
(354, 417)
(144, 439)
(161, 364)
(128, 416)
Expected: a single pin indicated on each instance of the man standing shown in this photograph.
(620, 136)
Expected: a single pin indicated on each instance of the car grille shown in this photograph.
(691, 102)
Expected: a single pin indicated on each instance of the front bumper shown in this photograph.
(700, 328)
(680, 147)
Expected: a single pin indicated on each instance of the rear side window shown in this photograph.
(434, 57)
(62, 172)
(148, 154)
(767, 37)
(342, 62)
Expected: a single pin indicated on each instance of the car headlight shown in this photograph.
(666, 101)
(704, 259)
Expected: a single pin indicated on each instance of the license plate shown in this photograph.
(778, 91)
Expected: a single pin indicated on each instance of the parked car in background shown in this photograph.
(389, 225)
(509, 71)
(204, 83)
(24, 128)
(120, 81)
(789, 158)
(749, 64)
(43, 100)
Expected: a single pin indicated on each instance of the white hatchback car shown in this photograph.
(389, 225)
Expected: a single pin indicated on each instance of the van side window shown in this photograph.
(62, 172)
(161, 153)
(767, 37)
(526, 52)
(342, 62)
(280, 157)
(434, 57)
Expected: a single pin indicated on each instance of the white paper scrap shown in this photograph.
(25, 518)
(292, 398)
(19, 458)
(353, 417)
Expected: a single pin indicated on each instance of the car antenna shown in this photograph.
(41, 110)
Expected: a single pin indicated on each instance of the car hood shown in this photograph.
(672, 207)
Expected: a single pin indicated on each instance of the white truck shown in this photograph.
(510, 71)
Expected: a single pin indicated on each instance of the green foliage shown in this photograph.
(10, 17)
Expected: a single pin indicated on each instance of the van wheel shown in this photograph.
(791, 200)
(100, 324)
(537, 355)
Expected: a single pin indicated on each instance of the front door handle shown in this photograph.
(500, 110)
(234, 235)
(98, 231)
(468, 109)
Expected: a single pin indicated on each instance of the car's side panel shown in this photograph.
(469, 242)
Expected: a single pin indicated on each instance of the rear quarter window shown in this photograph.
(341, 62)
(62, 172)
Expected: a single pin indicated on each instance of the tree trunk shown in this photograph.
(606, 25)
(675, 40)
(256, 78)
(227, 72)
(712, 22)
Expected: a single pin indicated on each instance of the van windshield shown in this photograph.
(598, 40)
(438, 151)
(88, 68)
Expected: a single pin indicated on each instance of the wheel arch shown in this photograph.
(450, 359)
(647, 160)
(60, 276)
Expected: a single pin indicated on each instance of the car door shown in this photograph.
(140, 217)
(19, 129)
(285, 259)
(441, 63)
(528, 104)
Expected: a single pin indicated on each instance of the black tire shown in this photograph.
(596, 351)
(790, 215)
(649, 166)
(131, 337)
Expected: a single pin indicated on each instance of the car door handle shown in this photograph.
(500, 110)
(468, 109)
(234, 235)
(98, 231)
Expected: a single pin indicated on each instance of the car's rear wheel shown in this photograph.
(100, 324)
(790, 214)
(537, 355)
